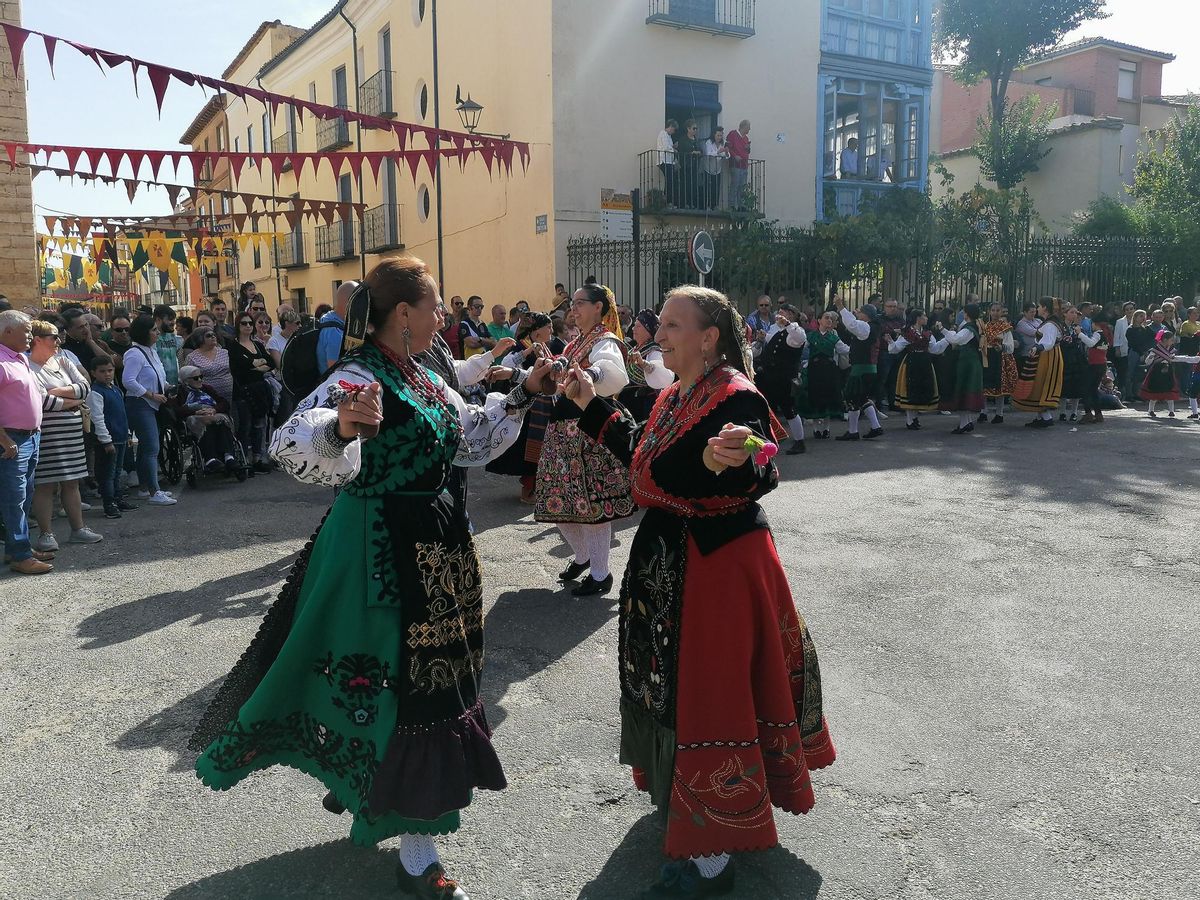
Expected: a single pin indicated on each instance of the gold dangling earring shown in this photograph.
(407, 341)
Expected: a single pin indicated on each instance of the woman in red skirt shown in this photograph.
(721, 708)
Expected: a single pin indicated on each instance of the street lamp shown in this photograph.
(470, 113)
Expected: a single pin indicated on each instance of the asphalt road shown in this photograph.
(1007, 630)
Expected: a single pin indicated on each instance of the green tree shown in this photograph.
(1108, 217)
(990, 40)
(1012, 146)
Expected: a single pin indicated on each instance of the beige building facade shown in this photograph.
(19, 276)
(588, 85)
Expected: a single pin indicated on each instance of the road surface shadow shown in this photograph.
(775, 874)
(527, 631)
(337, 869)
(171, 728)
(239, 596)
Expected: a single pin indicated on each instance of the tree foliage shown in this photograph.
(988, 41)
(1011, 146)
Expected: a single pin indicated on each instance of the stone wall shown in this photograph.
(19, 279)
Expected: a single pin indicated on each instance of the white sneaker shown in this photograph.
(84, 505)
(882, 415)
(145, 495)
(85, 536)
(162, 498)
(46, 543)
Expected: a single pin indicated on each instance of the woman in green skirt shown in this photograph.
(366, 672)
(966, 396)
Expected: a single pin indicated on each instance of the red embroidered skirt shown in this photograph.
(749, 722)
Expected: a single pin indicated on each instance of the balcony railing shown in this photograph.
(332, 134)
(289, 251)
(1080, 102)
(382, 226)
(335, 242)
(285, 143)
(701, 187)
(376, 97)
(731, 17)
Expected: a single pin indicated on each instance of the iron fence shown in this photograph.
(332, 134)
(382, 227)
(289, 251)
(376, 96)
(731, 17)
(335, 242)
(672, 185)
(807, 267)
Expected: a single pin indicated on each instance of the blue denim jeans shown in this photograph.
(109, 467)
(143, 421)
(16, 493)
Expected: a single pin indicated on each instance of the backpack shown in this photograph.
(301, 374)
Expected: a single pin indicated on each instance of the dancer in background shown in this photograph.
(916, 380)
(822, 379)
(778, 367)
(581, 487)
(1161, 382)
(1000, 371)
(1040, 375)
(721, 709)
(966, 397)
(1075, 365)
(862, 335)
(647, 374)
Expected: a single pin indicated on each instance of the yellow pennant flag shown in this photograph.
(160, 252)
(91, 274)
(173, 274)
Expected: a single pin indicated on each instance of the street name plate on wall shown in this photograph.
(616, 216)
(541, 224)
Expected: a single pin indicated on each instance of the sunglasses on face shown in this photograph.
(245, 322)
(120, 331)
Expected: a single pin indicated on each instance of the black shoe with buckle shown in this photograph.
(573, 571)
(590, 587)
(872, 434)
(683, 879)
(432, 884)
(982, 417)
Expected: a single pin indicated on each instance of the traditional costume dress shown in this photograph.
(821, 381)
(916, 378)
(1075, 369)
(581, 486)
(365, 673)
(1161, 382)
(966, 396)
(863, 340)
(1189, 378)
(1000, 373)
(777, 368)
(645, 382)
(721, 711)
(1040, 376)
(521, 459)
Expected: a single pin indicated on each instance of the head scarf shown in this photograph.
(649, 320)
(612, 319)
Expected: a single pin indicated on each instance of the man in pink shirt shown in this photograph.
(20, 438)
(738, 144)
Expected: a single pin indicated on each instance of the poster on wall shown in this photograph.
(616, 216)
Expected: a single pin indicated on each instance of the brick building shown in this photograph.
(1108, 98)
(19, 279)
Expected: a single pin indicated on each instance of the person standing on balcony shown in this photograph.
(715, 154)
(738, 144)
(848, 164)
(666, 159)
(688, 153)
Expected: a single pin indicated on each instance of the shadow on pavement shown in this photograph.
(337, 869)
(239, 596)
(528, 631)
(775, 874)
(171, 728)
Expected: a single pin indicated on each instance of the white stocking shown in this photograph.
(574, 536)
(417, 853)
(1153, 404)
(1171, 407)
(598, 540)
(1194, 404)
(964, 419)
(711, 866)
(1000, 406)
(796, 428)
(872, 416)
(852, 421)
(909, 416)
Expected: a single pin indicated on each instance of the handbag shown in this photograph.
(85, 412)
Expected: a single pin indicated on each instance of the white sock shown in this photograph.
(872, 417)
(964, 419)
(417, 853)
(1194, 404)
(1048, 416)
(598, 539)
(1153, 403)
(909, 416)
(573, 535)
(796, 428)
(852, 421)
(1000, 406)
(1170, 406)
(711, 866)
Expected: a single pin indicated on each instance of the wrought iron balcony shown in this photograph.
(699, 187)
(289, 251)
(729, 17)
(382, 226)
(285, 143)
(335, 242)
(376, 97)
(332, 134)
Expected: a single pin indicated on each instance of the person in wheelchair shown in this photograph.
(206, 416)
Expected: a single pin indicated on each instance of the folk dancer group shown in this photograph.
(366, 672)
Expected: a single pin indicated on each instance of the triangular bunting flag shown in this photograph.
(17, 36)
(159, 78)
(51, 45)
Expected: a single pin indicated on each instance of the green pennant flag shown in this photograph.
(140, 258)
(105, 273)
(179, 252)
(48, 278)
(75, 266)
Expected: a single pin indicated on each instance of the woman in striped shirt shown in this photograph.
(62, 460)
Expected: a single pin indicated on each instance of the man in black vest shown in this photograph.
(777, 367)
(861, 330)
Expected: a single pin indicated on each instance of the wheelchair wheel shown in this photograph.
(170, 456)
